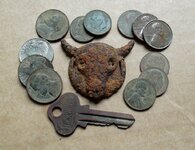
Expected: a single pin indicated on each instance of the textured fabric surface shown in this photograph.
(169, 124)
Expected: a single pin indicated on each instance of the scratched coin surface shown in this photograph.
(30, 64)
(155, 59)
(78, 31)
(126, 21)
(139, 94)
(158, 34)
(44, 85)
(140, 23)
(157, 78)
(52, 25)
(97, 22)
(36, 46)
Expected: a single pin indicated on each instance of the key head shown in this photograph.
(65, 123)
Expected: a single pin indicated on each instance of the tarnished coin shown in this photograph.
(52, 25)
(140, 23)
(158, 34)
(125, 22)
(78, 31)
(44, 85)
(30, 64)
(139, 94)
(36, 46)
(157, 78)
(97, 22)
(154, 59)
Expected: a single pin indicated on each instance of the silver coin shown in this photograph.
(36, 46)
(157, 78)
(30, 64)
(154, 59)
(125, 22)
(52, 25)
(44, 85)
(78, 31)
(158, 34)
(97, 22)
(140, 23)
(139, 94)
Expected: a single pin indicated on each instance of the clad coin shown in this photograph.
(157, 78)
(154, 59)
(30, 64)
(158, 34)
(140, 23)
(126, 21)
(97, 22)
(52, 25)
(78, 31)
(44, 85)
(139, 94)
(36, 46)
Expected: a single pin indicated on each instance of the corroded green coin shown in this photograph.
(78, 31)
(158, 34)
(97, 22)
(30, 64)
(157, 78)
(139, 94)
(44, 85)
(52, 25)
(126, 21)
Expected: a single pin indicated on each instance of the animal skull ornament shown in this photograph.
(97, 70)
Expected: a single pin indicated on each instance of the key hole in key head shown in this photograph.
(57, 111)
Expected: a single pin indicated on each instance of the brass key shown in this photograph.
(73, 115)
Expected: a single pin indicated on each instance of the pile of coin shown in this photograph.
(36, 73)
(140, 94)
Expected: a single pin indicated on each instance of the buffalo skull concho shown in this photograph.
(97, 70)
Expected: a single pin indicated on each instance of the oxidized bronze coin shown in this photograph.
(30, 64)
(78, 31)
(158, 34)
(97, 70)
(139, 94)
(157, 78)
(52, 25)
(97, 22)
(126, 21)
(154, 59)
(140, 23)
(44, 85)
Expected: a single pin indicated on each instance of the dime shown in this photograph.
(140, 23)
(158, 34)
(154, 59)
(97, 22)
(78, 31)
(30, 64)
(52, 25)
(44, 85)
(139, 94)
(36, 46)
(125, 22)
(157, 78)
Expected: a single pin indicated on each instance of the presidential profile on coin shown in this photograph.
(44, 85)
(97, 22)
(31, 64)
(157, 78)
(155, 59)
(36, 46)
(78, 31)
(126, 21)
(139, 94)
(52, 25)
(158, 34)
